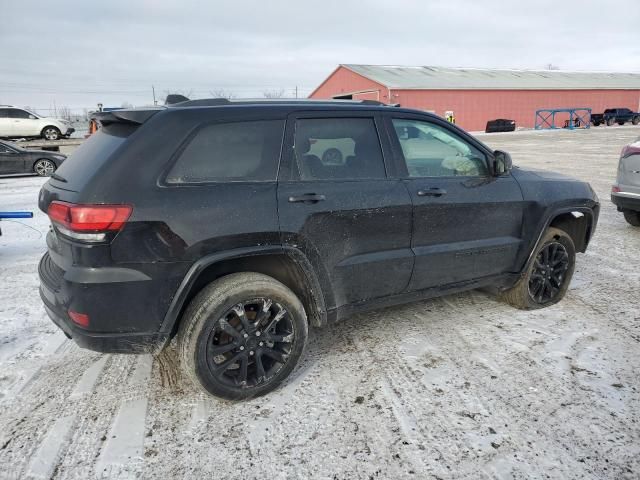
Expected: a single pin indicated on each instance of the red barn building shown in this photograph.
(478, 95)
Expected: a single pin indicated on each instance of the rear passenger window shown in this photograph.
(239, 151)
(338, 148)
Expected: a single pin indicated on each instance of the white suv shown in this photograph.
(17, 122)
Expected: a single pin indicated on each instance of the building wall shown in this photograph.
(343, 81)
(472, 108)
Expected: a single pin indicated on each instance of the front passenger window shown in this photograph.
(433, 151)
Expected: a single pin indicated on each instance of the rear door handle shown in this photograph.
(307, 198)
(432, 192)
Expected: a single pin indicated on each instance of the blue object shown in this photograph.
(578, 118)
(16, 215)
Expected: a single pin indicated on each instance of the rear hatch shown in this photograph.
(72, 186)
(629, 167)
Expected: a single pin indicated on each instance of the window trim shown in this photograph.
(175, 156)
(289, 166)
(398, 154)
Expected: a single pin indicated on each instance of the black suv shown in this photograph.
(235, 225)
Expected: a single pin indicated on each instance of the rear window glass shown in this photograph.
(92, 154)
(238, 151)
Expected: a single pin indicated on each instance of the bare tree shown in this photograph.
(222, 93)
(64, 112)
(551, 66)
(273, 93)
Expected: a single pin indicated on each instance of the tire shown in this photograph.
(525, 294)
(214, 319)
(635, 120)
(44, 167)
(332, 156)
(632, 217)
(50, 133)
(609, 122)
(621, 123)
(596, 124)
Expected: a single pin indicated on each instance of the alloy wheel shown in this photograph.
(45, 168)
(251, 343)
(549, 273)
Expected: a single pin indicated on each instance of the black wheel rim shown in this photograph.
(549, 273)
(250, 344)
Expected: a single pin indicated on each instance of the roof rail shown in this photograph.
(212, 102)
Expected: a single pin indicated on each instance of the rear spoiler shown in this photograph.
(134, 115)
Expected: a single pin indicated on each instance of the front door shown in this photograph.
(466, 222)
(337, 205)
(23, 123)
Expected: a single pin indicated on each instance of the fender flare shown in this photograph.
(586, 211)
(179, 299)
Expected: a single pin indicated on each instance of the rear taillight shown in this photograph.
(88, 222)
(81, 319)
(615, 189)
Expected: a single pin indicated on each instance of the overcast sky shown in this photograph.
(79, 53)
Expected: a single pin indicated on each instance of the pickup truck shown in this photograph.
(615, 115)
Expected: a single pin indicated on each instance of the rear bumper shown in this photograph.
(106, 342)
(120, 311)
(626, 201)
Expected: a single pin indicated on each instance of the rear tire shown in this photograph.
(230, 346)
(632, 217)
(609, 122)
(548, 276)
(51, 133)
(635, 120)
(44, 167)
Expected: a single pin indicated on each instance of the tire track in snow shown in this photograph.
(89, 378)
(47, 456)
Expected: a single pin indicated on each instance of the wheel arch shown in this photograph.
(49, 126)
(577, 222)
(287, 265)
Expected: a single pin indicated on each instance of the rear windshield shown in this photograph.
(91, 155)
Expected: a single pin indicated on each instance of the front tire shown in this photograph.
(635, 120)
(44, 167)
(242, 335)
(548, 276)
(609, 122)
(632, 217)
(51, 133)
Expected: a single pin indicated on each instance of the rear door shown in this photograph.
(6, 123)
(466, 222)
(338, 206)
(11, 161)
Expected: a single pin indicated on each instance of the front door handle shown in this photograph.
(432, 192)
(307, 198)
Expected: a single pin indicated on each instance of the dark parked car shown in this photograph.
(220, 223)
(15, 160)
(500, 125)
(615, 115)
(625, 193)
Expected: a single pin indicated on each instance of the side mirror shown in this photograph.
(501, 162)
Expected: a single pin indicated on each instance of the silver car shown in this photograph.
(625, 193)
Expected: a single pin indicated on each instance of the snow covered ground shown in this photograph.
(458, 387)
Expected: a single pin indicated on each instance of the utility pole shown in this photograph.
(153, 89)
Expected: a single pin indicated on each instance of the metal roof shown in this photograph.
(440, 78)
